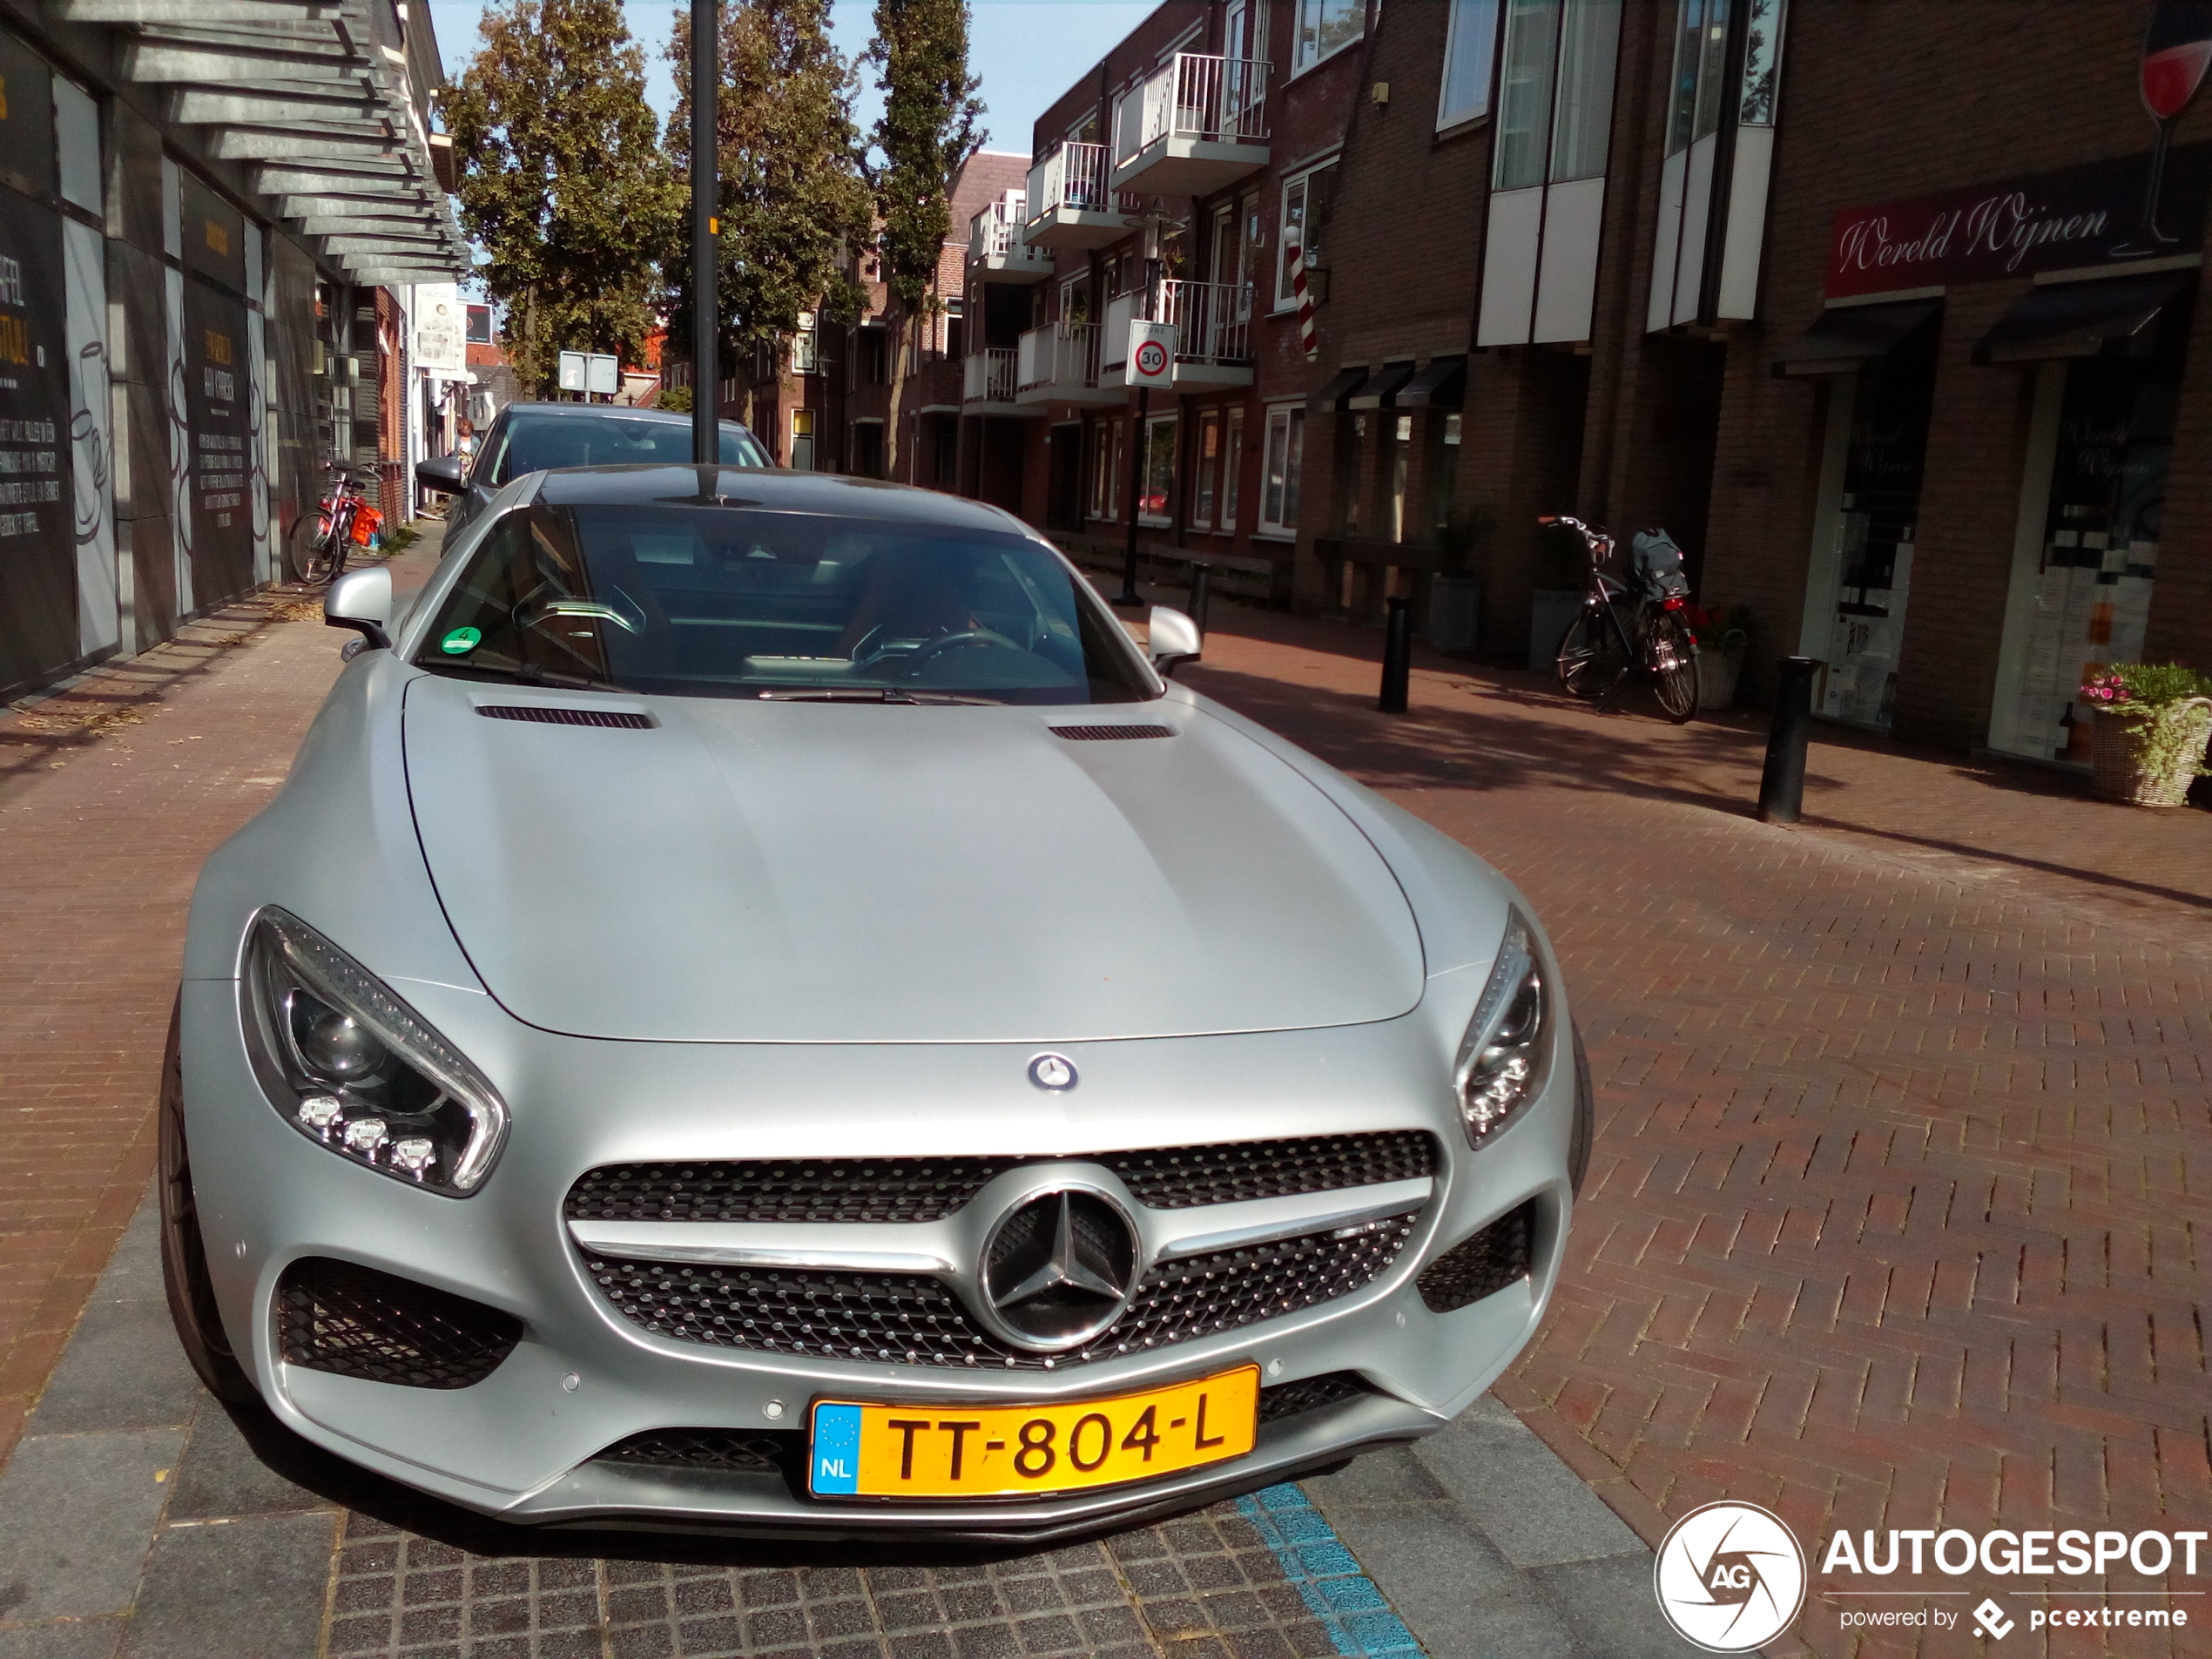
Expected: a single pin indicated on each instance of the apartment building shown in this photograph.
(1891, 315)
(210, 227)
(1168, 185)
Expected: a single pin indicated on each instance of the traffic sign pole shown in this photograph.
(1129, 595)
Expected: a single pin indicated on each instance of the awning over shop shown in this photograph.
(1374, 392)
(1331, 397)
(322, 101)
(1442, 385)
(1849, 337)
(2109, 317)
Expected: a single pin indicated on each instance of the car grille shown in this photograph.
(916, 1319)
(1483, 1263)
(877, 1189)
(783, 1451)
(340, 1317)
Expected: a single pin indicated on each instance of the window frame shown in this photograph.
(1206, 459)
(1299, 62)
(1151, 426)
(1449, 118)
(1302, 181)
(1291, 418)
(1233, 468)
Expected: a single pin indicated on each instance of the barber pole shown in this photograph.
(1306, 340)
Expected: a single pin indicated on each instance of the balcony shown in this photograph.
(1213, 328)
(1199, 125)
(1069, 203)
(986, 383)
(1059, 364)
(996, 247)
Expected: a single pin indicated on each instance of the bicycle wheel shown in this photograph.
(1671, 652)
(1591, 662)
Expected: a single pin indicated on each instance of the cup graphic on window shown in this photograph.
(2177, 50)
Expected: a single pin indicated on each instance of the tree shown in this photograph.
(926, 135)
(793, 205)
(563, 181)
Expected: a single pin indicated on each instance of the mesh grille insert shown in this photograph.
(1482, 1263)
(1173, 1177)
(1110, 733)
(356, 1321)
(626, 719)
(736, 1451)
(1309, 1394)
(916, 1319)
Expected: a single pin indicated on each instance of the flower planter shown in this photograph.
(2150, 760)
(1717, 669)
(1551, 613)
(1451, 613)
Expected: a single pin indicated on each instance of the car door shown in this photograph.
(484, 477)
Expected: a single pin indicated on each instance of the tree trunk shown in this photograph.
(898, 339)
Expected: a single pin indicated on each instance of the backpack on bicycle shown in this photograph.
(1654, 566)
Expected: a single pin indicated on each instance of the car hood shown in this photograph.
(838, 872)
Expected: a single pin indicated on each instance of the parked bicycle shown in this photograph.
(1635, 624)
(344, 520)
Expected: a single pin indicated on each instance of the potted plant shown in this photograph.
(1561, 569)
(1454, 590)
(2151, 722)
(1722, 638)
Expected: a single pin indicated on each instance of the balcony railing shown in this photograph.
(995, 234)
(988, 376)
(1059, 354)
(1074, 177)
(1213, 320)
(1218, 100)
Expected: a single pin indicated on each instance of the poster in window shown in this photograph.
(37, 529)
(219, 447)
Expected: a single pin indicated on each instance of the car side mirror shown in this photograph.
(362, 602)
(441, 473)
(1175, 640)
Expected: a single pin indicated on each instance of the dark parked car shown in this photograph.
(535, 437)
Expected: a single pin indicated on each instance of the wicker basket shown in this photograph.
(2122, 762)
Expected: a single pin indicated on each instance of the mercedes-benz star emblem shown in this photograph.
(1059, 1268)
(1053, 1071)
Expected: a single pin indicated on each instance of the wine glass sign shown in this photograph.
(2177, 49)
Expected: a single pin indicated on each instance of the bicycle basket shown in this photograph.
(1655, 565)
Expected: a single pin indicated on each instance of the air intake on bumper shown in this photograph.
(356, 1321)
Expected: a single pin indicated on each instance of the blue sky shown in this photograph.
(1027, 52)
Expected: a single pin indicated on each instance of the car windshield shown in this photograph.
(736, 602)
(535, 443)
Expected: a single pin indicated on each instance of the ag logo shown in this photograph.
(1730, 1577)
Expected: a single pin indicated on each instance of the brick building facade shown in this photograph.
(1599, 257)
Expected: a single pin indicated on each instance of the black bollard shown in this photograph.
(1397, 656)
(1201, 590)
(1782, 785)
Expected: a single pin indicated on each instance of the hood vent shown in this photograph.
(1110, 733)
(545, 714)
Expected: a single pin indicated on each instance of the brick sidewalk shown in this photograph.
(1898, 1212)
(111, 794)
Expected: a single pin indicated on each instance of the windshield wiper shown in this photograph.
(526, 674)
(871, 694)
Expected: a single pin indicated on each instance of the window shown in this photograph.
(1285, 451)
(804, 355)
(1440, 468)
(1701, 43)
(479, 325)
(1209, 479)
(1232, 466)
(868, 448)
(1156, 503)
(1761, 63)
(875, 355)
(1306, 216)
(1105, 455)
(1351, 444)
(1075, 301)
(1401, 455)
(1555, 90)
(1470, 52)
(1325, 27)
(948, 455)
(955, 327)
(802, 440)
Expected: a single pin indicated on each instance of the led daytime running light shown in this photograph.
(1505, 1056)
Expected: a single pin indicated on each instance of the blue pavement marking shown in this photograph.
(1355, 1614)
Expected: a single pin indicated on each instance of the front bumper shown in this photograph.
(522, 1444)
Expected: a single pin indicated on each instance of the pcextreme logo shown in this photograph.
(1730, 1577)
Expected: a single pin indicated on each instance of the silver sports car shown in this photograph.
(759, 1006)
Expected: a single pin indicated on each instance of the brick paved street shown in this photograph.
(1895, 1219)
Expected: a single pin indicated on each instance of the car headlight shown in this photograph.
(349, 1065)
(1507, 1052)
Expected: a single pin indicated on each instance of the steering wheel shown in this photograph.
(943, 643)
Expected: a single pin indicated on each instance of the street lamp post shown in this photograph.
(706, 78)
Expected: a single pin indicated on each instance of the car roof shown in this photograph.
(763, 490)
(621, 411)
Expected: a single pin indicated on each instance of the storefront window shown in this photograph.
(1202, 498)
(1231, 468)
(1158, 498)
(1874, 531)
(2091, 599)
(1285, 448)
(1401, 455)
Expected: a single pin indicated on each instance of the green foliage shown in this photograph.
(2167, 705)
(674, 397)
(562, 181)
(2152, 686)
(926, 134)
(793, 205)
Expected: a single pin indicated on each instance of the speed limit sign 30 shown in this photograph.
(1151, 354)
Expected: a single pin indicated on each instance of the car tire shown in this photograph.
(184, 1259)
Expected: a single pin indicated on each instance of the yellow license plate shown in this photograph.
(862, 1450)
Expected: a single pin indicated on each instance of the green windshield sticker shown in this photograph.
(461, 641)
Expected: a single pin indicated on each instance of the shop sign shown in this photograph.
(38, 629)
(2091, 215)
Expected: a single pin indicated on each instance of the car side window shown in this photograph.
(492, 463)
